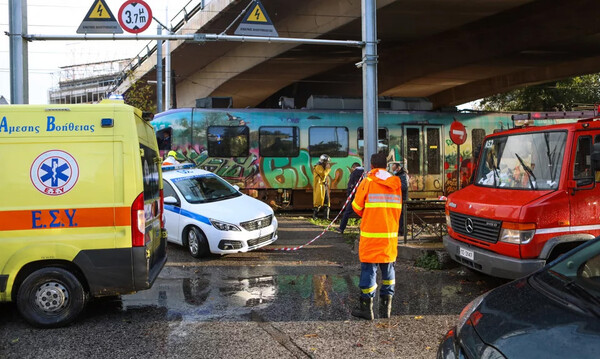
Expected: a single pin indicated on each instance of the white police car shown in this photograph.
(206, 214)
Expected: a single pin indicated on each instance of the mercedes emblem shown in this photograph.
(469, 225)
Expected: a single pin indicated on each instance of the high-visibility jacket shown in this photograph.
(378, 201)
(320, 182)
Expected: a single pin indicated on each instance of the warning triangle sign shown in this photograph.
(257, 15)
(256, 22)
(99, 20)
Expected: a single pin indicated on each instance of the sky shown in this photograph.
(63, 17)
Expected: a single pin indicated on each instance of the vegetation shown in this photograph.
(563, 95)
(428, 260)
(140, 95)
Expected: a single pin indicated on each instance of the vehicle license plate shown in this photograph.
(466, 253)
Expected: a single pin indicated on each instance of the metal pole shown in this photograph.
(196, 38)
(159, 72)
(19, 74)
(167, 65)
(369, 69)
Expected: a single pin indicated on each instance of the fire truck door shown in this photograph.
(585, 209)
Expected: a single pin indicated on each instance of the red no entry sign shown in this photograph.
(458, 133)
(135, 16)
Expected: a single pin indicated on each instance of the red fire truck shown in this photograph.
(535, 194)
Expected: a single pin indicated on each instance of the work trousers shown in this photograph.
(368, 279)
(346, 215)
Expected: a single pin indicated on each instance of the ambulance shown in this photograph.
(81, 210)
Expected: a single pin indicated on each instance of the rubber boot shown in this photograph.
(326, 212)
(365, 309)
(385, 306)
(315, 212)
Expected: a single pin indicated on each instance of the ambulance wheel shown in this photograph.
(196, 243)
(50, 297)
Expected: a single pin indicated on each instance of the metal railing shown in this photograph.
(180, 19)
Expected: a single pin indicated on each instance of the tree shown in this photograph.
(140, 95)
(563, 95)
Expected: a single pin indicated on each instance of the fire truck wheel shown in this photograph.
(50, 297)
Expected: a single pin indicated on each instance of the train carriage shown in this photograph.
(270, 153)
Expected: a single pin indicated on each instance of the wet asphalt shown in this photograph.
(262, 304)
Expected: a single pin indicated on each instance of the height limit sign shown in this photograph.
(135, 16)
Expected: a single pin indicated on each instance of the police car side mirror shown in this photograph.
(171, 200)
(237, 188)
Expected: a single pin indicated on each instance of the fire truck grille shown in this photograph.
(479, 228)
(257, 223)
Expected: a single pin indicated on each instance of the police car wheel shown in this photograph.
(196, 243)
(50, 297)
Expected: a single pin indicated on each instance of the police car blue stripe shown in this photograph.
(188, 214)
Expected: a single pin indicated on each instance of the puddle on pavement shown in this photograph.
(217, 295)
(212, 297)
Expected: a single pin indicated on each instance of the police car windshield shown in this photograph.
(205, 188)
(529, 161)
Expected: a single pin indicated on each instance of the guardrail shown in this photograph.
(180, 19)
(424, 218)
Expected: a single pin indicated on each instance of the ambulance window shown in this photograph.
(228, 141)
(383, 141)
(279, 141)
(332, 141)
(583, 165)
(150, 170)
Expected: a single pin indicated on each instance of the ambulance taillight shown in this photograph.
(138, 222)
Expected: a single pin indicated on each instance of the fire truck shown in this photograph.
(534, 195)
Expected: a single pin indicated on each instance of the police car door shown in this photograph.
(172, 211)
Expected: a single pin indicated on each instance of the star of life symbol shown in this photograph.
(54, 172)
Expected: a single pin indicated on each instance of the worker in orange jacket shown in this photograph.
(378, 201)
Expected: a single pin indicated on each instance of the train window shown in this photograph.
(413, 150)
(383, 141)
(279, 141)
(332, 141)
(433, 151)
(228, 141)
(163, 137)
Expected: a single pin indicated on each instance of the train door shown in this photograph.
(423, 155)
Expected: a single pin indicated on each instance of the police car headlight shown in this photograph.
(223, 226)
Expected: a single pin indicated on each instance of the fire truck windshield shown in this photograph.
(526, 161)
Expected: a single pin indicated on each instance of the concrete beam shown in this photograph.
(528, 27)
(500, 84)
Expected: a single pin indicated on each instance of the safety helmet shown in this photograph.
(324, 158)
(172, 153)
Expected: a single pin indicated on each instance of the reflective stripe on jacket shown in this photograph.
(378, 201)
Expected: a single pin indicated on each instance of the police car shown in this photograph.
(205, 214)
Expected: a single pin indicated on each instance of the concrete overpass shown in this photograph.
(450, 51)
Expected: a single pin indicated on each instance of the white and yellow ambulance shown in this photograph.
(80, 207)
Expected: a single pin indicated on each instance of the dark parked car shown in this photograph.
(553, 313)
